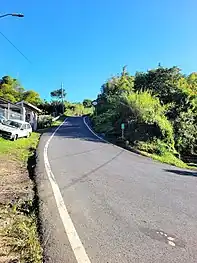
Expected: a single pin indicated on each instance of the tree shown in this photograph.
(158, 107)
(10, 89)
(87, 103)
(163, 82)
(58, 94)
(32, 97)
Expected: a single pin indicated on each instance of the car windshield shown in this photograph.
(12, 123)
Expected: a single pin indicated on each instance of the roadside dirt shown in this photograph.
(15, 185)
(14, 182)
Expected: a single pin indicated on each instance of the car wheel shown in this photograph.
(15, 137)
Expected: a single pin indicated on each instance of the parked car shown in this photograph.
(2, 119)
(14, 129)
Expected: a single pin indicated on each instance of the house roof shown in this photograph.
(29, 105)
(4, 104)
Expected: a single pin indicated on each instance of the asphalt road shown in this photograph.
(124, 207)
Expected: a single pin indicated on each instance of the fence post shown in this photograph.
(23, 114)
(8, 113)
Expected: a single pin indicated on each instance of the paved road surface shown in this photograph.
(124, 207)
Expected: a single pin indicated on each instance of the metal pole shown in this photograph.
(62, 98)
(122, 133)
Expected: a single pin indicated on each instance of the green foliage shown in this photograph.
(87, 103)
(161, 81)
(11, 90)
(156, 146)
(186, 132)
(19, 150)
(18, 228)
(32, 97)
(158, 107)
(44, 121)
(104, 122)
(77, 109)
(169, 158)
(23, 239)
(58, 94)
(147, 109)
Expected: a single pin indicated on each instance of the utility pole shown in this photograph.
(62, 92)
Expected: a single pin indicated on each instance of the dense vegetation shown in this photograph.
(11, 90)
(158, 108)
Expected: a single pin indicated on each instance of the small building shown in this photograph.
(20, 111)
(29, 113)
(10, 110)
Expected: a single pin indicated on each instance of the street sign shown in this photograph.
(122, 126)
(94, 103)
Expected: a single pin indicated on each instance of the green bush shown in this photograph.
(186, 132)
(44, 121)
(156, 146)
(104, 121)
(146, 108)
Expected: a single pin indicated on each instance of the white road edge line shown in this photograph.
(73, 237)
(93, 131)
(114, 145)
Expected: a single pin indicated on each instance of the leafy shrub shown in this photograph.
(146, 108)
(44, 121)
(156, 146)
(186, 132)
(104, 122)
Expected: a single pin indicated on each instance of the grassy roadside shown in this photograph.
(19, 238)
(53, 124)
(59, 121)
(166, 157)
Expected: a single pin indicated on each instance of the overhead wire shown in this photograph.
(15, 47)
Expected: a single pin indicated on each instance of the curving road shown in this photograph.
(123, 207)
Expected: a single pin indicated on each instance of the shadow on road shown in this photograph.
(75, 129)
(179, 172)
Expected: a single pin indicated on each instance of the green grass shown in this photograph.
(168, 158)
(59, 121)
(20, 149)
(20, 235)
(18, 229)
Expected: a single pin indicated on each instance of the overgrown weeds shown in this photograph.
(19, 202)
(19, 233)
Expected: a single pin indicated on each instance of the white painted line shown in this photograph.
(73, 237)
(102, 138)
(171, 238)
(114, 145)
(94, 132)
(171, 243)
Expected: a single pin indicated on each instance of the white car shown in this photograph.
(14, 129)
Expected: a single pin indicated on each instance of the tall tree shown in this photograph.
(58, 94)
(10, 89)
(32, 97)
(87, 103)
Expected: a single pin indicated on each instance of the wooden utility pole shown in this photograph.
(62, 90)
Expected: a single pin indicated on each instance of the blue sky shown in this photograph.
(83, 42)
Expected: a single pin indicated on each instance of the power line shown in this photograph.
(15, 47)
